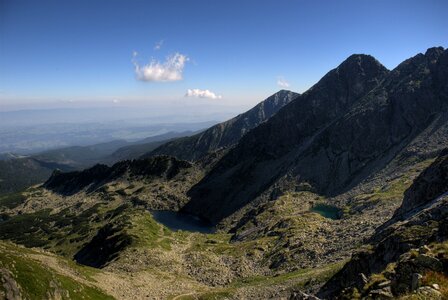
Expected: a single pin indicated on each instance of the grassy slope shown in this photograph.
(201, 258)
(32, 279)
(208, 266)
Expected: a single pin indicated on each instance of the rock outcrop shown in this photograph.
(431, 183)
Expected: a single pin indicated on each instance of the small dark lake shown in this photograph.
(178, 221)
(327, 211)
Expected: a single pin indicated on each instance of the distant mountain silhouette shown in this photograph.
(227, 133)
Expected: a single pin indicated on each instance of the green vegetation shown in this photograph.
(391, 191)
(12, 200)
(148, 233)
(301, 277)
(36, 281)
(64, 232)
(112, 224)
(431, 277)
(216, 294)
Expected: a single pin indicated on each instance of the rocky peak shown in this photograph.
(434, 53)
(356, 75)
(228, 133)
(348, 126)
(362, 62)
(290, 131)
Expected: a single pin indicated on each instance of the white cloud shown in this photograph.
(158, 45)
(115, 101)
(202, 94)
(169, 70)
(282, 82)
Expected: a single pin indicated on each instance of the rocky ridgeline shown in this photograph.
(347, 127)
(226, 134)
(72, 182)
(295, 185)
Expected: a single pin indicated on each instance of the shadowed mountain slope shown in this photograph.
(400, 249)
(349, 125)
(70, 183)
(227, 133)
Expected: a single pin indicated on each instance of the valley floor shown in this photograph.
(105, 244)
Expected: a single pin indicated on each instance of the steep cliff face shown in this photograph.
(348, 126)
(432, 183)
(227, 133)
(400, 249)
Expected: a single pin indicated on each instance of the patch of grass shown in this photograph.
(215, 295)
(440, 249)
(391, 191)
(38, 282)
(86, 271)
(418, 232)
(149, 233)
(12, 200)
(431, 277)
(219, 244)
(64, 232)
(395, 189)
(301, 277)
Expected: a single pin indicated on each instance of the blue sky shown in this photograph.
(235, 53)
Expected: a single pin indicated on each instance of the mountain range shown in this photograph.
(336, 193)
(225, 134)
(351, 124)
(18, 172)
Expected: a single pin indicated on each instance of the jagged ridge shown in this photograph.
(72, 182)
(348, 126)
(226, 133)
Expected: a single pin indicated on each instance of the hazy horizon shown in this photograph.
(100, 70)
(182, 55)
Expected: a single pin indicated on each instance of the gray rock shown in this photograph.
(384, 284)
(298, 295)
(429, 293)
(424, 249)
(384, 293)
(416, 281)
